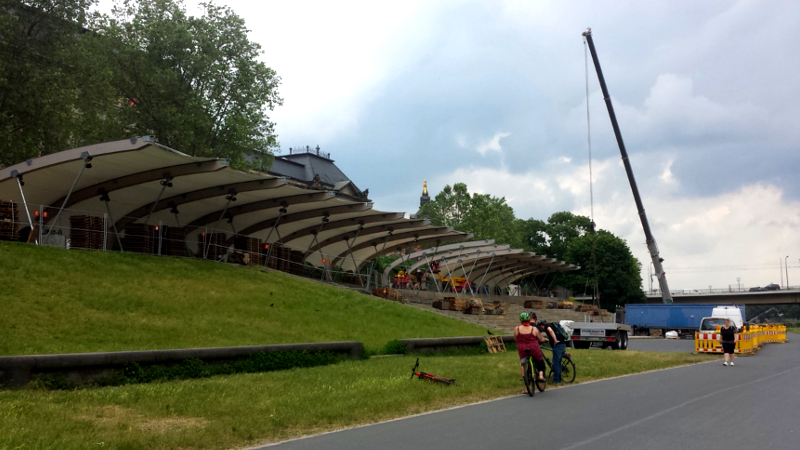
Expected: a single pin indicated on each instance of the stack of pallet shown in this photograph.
(535, 304)
(296, 262)
(586, 308)
(173, 241)
(437, 304)
(86, 232)
(284, 254)
(388, 294)
(140, 238)
(214, 247)
(274, 252)
(457, 304)
(9, 216)
(602, 312)
(566, 305)
(495, 309)
(252, 247)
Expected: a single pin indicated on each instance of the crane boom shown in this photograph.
(651, 241)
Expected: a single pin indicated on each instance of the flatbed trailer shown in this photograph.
(587, 334)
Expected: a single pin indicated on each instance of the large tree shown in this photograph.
(53, 88)
(195, 83)
(483, 215)
(70, 78)
(606, 256)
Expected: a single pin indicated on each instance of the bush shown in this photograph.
(394, 347)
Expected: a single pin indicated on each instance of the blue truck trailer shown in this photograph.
(685, 319)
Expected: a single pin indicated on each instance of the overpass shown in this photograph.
(738, 298)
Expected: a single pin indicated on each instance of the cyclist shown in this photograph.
(528, 338)
(557, 344)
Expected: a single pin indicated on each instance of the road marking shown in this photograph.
(669, 410)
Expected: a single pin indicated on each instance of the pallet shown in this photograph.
(495, 344)
(535, 304)
(86, 232)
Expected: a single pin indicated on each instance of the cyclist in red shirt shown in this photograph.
(528, 338)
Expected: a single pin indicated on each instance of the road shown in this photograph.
(752, 405)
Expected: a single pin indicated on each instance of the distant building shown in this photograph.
(424, 198)
(311, 169)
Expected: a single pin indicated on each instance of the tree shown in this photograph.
(483, 215)
(51, 85)
(553, 238)
(195, 83)
(618, 272)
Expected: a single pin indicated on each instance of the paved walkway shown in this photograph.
(752, 405)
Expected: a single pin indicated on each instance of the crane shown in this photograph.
(652, 247)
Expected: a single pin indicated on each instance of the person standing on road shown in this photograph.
(527, 338)
(558, 345)
(727, 335)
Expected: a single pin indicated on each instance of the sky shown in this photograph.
(493, 94)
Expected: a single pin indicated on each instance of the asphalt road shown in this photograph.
(662, 345)
(752, 405)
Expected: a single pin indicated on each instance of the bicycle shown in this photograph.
(427, 376)
(568, 370)
(532, 383)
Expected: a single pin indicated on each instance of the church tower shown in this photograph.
(424, 198)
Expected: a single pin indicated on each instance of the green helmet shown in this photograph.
(524, 317)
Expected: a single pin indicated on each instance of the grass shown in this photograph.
(793, 330)
(58, 301)
(249, 409)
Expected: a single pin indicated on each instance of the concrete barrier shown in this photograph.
(447, 343)
(18, 371)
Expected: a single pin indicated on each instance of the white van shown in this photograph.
(718, 316)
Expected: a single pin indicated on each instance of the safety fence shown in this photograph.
(748, 341)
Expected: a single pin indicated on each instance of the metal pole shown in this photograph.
(165, 183)
(651, 241)
(281, 212)
(230, 198)
(105, 230)
(41, 225)
(105, 200)
(786, 267)
(315, 233)
(491, 261)
(160, 235)
(24, 202)
(66, 199)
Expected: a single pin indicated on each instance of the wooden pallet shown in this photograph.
(495, 344)
(535, 304)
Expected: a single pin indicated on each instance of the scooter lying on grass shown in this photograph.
(427, 376)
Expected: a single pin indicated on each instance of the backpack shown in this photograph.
(561, 334)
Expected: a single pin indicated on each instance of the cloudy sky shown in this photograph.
(493, 94)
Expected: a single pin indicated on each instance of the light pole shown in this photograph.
(786, 266)
(739, 284)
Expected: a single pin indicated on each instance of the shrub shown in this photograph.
(394, 347)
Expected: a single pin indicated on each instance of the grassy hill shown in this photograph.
(58, 301)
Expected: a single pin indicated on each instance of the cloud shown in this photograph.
(492, 145)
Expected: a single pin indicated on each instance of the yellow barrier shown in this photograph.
(748, 341)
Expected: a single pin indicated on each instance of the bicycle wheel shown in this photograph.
(528, 378)
(540, 385)
(568, 371)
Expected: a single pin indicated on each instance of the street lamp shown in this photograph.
(786, 269)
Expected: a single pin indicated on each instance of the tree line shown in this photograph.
(565, 236)
(71, 77)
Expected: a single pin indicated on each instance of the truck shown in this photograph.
(685, 319)
(587, 334)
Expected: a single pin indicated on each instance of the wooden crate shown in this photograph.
(437, 304)
(458, 304)
(9, 216)
(495, 344)
(535, 304)
(86, 232)
(586, 308)
(565, 305)
(474, 310)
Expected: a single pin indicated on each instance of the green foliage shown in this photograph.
(394, 347)
(483, 215)
(618, 271)
(70, 78)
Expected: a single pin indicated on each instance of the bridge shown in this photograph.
(782, 297)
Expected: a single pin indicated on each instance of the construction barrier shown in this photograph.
(748, 341)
